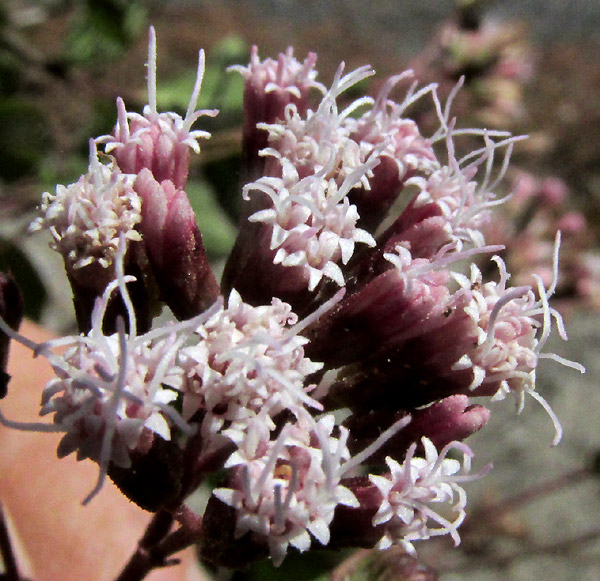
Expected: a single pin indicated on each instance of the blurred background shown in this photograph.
(530, 66)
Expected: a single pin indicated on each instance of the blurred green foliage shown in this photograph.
(101, 30)
(313, 566)
(34, 158)
(25, 138)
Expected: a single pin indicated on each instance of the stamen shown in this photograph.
(512, 294)
(272, 460)
(111, 413)
(191, 110)
(123, 135)
(119, 260)
(558, 430)
(314, 316)
(279, 511)
(101, 303)
(30, 426)
(151, 72)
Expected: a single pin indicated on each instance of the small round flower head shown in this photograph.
(410, 489)
(513, 326)
(320, 139)
(286, 74)
(87, 218)
(464, 203)
(269, 87)
(384, 124)
(288, 488)
(110, 391)
(313, 225)
(247, 359)
(157, 141)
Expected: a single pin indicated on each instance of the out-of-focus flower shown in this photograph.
(537, 208)
(494, 58)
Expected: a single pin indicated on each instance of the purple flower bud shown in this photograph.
(270, 86)
(174, 245)
(452, 418)
(160, 142)
(395, 307)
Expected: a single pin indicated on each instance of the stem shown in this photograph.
(6, 552)
(158, 528)
(157, 544)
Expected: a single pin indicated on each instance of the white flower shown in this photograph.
(411, 488)
(292, 488)
(513, 326)
(313, 225)
(463, 202)
(87, 218)
(321, 139)
(246, 359)
(385, 125)
(284, 74)
(110, 390)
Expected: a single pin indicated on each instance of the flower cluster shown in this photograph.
(87, 217)
(495, 56)
(344, 344)
(412, 486)
(536, 210)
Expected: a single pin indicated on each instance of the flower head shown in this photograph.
(344, 344)
(247, 362)
(512, 327)
(413, 489)
(111, 392)
(160, 142)
(87, 218)
(289, 487)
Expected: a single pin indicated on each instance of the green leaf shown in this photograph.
(218, 233)
(24, 139)
(102, 30)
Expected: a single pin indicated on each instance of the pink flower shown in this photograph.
(344, 345)
(160, 142)
(86, 218)
(412, 490)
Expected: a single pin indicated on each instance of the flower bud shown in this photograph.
(270, 86)
(160, 142)
(174, 245)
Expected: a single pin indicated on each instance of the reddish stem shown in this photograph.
(158, 544)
